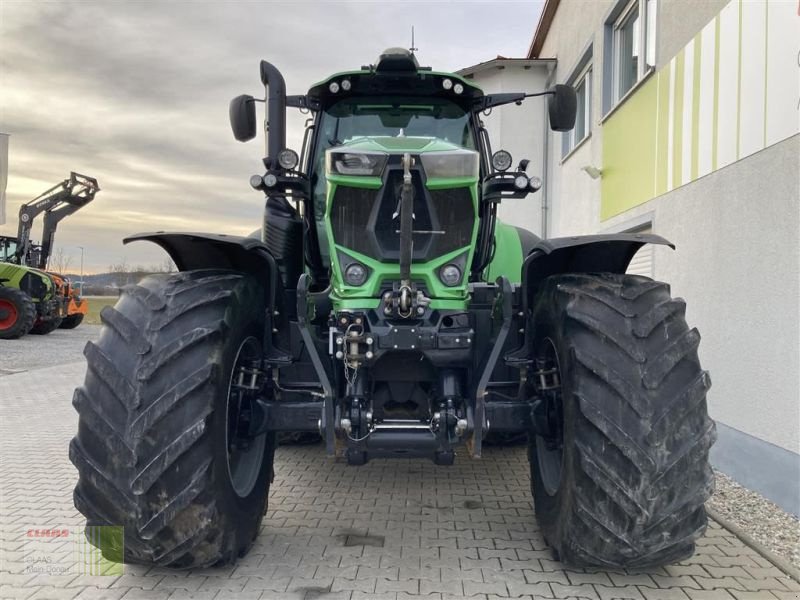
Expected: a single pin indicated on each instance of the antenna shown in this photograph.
(413, 48)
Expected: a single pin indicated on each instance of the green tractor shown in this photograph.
(30, 301)
(384, 306)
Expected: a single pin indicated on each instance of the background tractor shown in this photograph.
(385, 306)
(30, 299)
(57, 203)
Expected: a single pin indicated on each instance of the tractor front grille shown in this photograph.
(366, 221)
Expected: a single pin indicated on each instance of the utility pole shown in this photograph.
(3, 175)
(81, 247)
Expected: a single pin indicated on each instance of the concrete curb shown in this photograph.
(747, 540)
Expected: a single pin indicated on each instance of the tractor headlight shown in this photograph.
(355, 274)
(270, 180)
(256, 181)
(452, 163)
(288, 159)
(501, 160)
(450, 275)
(341, 162)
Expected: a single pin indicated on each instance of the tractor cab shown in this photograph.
(11, 252)
(8, 248)
(374, 131)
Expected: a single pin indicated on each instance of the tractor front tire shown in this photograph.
(158, 445)
(17, 313)
(621, 478)
(46, 326)
(71, 321)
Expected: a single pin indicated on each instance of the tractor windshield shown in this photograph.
(383, 116)
(377, 117)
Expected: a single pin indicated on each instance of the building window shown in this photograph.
(583, 124)
(633, 45)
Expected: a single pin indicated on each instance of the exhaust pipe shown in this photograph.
(276, 112)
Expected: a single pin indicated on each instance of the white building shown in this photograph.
(521, 130)
(688, 126)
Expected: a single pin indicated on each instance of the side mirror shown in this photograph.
(243, 118)
(562, 105)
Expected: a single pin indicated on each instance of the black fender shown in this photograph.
(192, 251)
(527, 240)
(604, 253)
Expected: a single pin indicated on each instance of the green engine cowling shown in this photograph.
(362, 219)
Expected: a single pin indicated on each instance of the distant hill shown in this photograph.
(108, 284)
(96, 279)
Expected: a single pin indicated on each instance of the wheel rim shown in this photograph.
(244, 454)
(550, 450)
(8, 314)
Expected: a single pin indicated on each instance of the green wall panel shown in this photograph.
(629, 152)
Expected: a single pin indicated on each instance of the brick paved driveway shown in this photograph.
(391, 529)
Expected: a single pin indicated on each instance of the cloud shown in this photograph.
(136, 95)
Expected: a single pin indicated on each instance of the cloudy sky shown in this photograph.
(136, 94)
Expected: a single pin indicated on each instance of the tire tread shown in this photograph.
(152, 400)
(642, 432)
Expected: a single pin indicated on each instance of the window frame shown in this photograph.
(646, 12)
(583, 75)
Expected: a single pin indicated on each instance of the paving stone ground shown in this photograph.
(389, 530)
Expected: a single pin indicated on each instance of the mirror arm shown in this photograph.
(493, 100)
(545, 93)
(297, 102)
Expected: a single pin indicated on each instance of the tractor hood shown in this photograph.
(364, 176)
(37, 284)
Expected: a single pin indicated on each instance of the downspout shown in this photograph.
(546, 153)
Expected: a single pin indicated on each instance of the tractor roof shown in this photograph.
(396, 73)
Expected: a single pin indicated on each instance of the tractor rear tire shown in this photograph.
(47, 326)
(17, 313)
(71, 321)
(155, 450)
(623, 479)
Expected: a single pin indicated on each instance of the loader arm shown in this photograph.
(59, 202)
